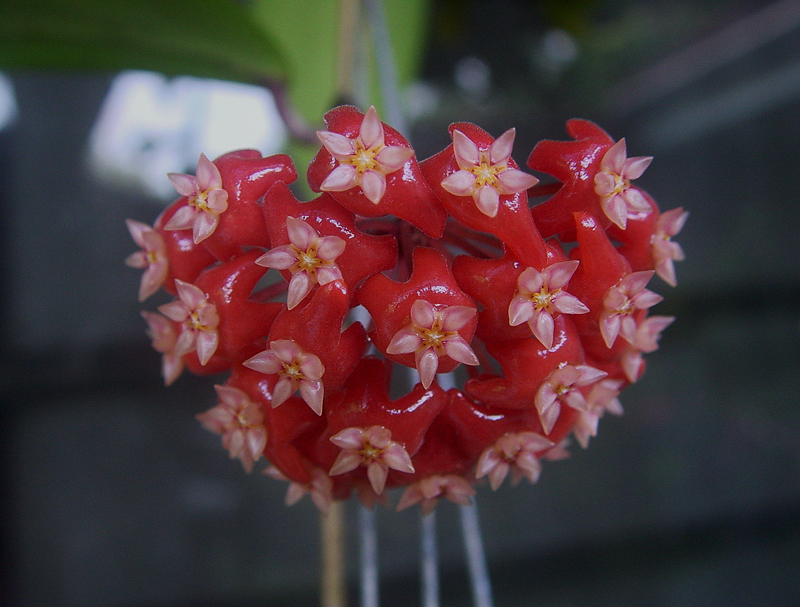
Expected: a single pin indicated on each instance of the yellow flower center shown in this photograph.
(292, 369)
(486, 172)
(543, 299)
(620, 184)
(435, 336)
(364, 158)
(307, 260)
(370, 452)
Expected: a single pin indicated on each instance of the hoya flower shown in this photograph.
(485, 174)
(427, 492)
(513, 452)
(152, 258)
(198, 318)
(240, 421)
(206, 200)
(320, 488)
(311, 259)
(666, 252)
(645, 340)
(364, 161)
(433, 333)
(372, 448)
(162, 333)
(562, 386)
(620, 303)
(613, 184)
(540, 296)
(296, 370)
(602, 397)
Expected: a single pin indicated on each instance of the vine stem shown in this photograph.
(333, 592)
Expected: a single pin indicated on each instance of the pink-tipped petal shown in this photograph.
(183, 219)
(300, 233)
(282, 391)
(558, 274)
(371, 131)
(264, 362)
(616, 211)
(373, 184)
(396, 457)
(377, 473)
(614, 159)
(634, 167)
(330, 247)
(423, 313)
(514, 180)
(466, 152)
(336, 144)
(502, 147)
(392, 157)
(460, 183)
(404, 341)
(299, 286)
(458, 349)
(280, 258)
(204, 226)
(488, 200)
(345, 462)
(186, 185)
(342, 178)
(542, 326)
(208, 175)
(455, 317)
(207, 342)
(313, 393)
(519, 311)
(427, 364)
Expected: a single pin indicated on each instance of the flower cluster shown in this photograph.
(434, 273)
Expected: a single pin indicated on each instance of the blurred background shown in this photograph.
(113, 494)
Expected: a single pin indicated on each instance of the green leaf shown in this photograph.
(206, 38)
(308, 34)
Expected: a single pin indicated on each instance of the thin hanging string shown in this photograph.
(476, 557)
(429, 560)
(387, 71)
(368, 539)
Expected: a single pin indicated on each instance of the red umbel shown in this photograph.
(409, 272)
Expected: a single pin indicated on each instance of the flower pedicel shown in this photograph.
(439, 266)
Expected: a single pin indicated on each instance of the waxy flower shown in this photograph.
(645, 339)
(427, 492)
(372, 448)
(485, 174)
(601, 398)
(296, 370)
(162, 333)
(152, 258)
(665, 251)
(311, 259)
(205, 200)
(433, 333)
(613, 184)
(240, 421)
(621, 302)
(540, 295)
(514, 452)
(198, 318)
(562, 386)
(364, 161)
(320, 488)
